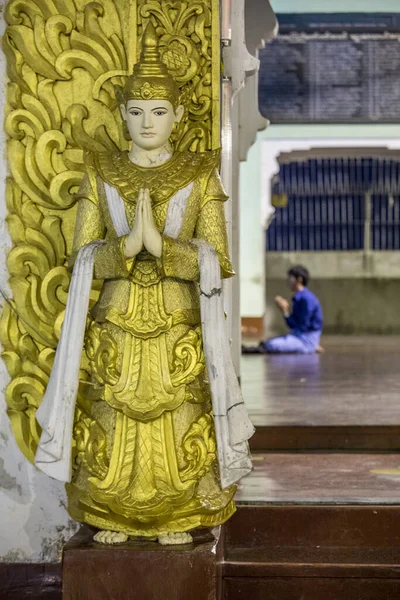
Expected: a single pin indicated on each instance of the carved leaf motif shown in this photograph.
(199, 448)
(188, 358)
(102, 353)
(91, 445)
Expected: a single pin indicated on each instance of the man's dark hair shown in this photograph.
(300, 273)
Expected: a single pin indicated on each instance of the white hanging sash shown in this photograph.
(56, 413)
(233, 427)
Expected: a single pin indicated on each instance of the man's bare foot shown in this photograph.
(110, 537)
(320, 349)
(167, 539)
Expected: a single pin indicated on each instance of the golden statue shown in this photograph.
(154, 439)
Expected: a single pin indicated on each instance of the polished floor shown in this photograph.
(322, 478)
(356, 382)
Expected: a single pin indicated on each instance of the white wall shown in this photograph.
(332, 265)
(33, 519)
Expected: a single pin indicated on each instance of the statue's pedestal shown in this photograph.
(139, 570)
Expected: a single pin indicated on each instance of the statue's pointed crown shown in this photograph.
(150, 79)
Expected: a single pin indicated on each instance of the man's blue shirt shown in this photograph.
(306, 313)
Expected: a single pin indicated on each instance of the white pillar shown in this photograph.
(252, 237)
(238, 65)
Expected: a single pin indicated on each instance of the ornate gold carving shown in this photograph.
(144, 390)
(91, 445)
(150, 78)
(29, 369)
(188, 358)
(63, 60)
(145, 272)
(102, 352)
(145, 316)
(199, 447)
(163, 181)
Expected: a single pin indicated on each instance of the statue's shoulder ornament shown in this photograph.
(163, 181)
(212, 188)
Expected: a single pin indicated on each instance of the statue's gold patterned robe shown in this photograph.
(145, 459)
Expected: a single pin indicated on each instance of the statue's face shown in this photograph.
(150, 122)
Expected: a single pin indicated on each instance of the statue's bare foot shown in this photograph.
(110, 537)
(169, 539)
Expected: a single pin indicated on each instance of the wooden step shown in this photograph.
(303, 588)
(338, 437)
(312, 561)
(315, 552)
(353, 526)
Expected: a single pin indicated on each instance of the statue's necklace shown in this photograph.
(159, 159)
(163, 180)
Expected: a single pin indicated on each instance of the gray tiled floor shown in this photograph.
(356, 382)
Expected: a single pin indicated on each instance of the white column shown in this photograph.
(235, 253)
(226, 176)
(252, 237)
(238, 64)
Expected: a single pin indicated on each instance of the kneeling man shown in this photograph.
(305, 320)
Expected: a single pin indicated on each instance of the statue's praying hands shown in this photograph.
(144, 232)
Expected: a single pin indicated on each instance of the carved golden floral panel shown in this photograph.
(63, 59)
